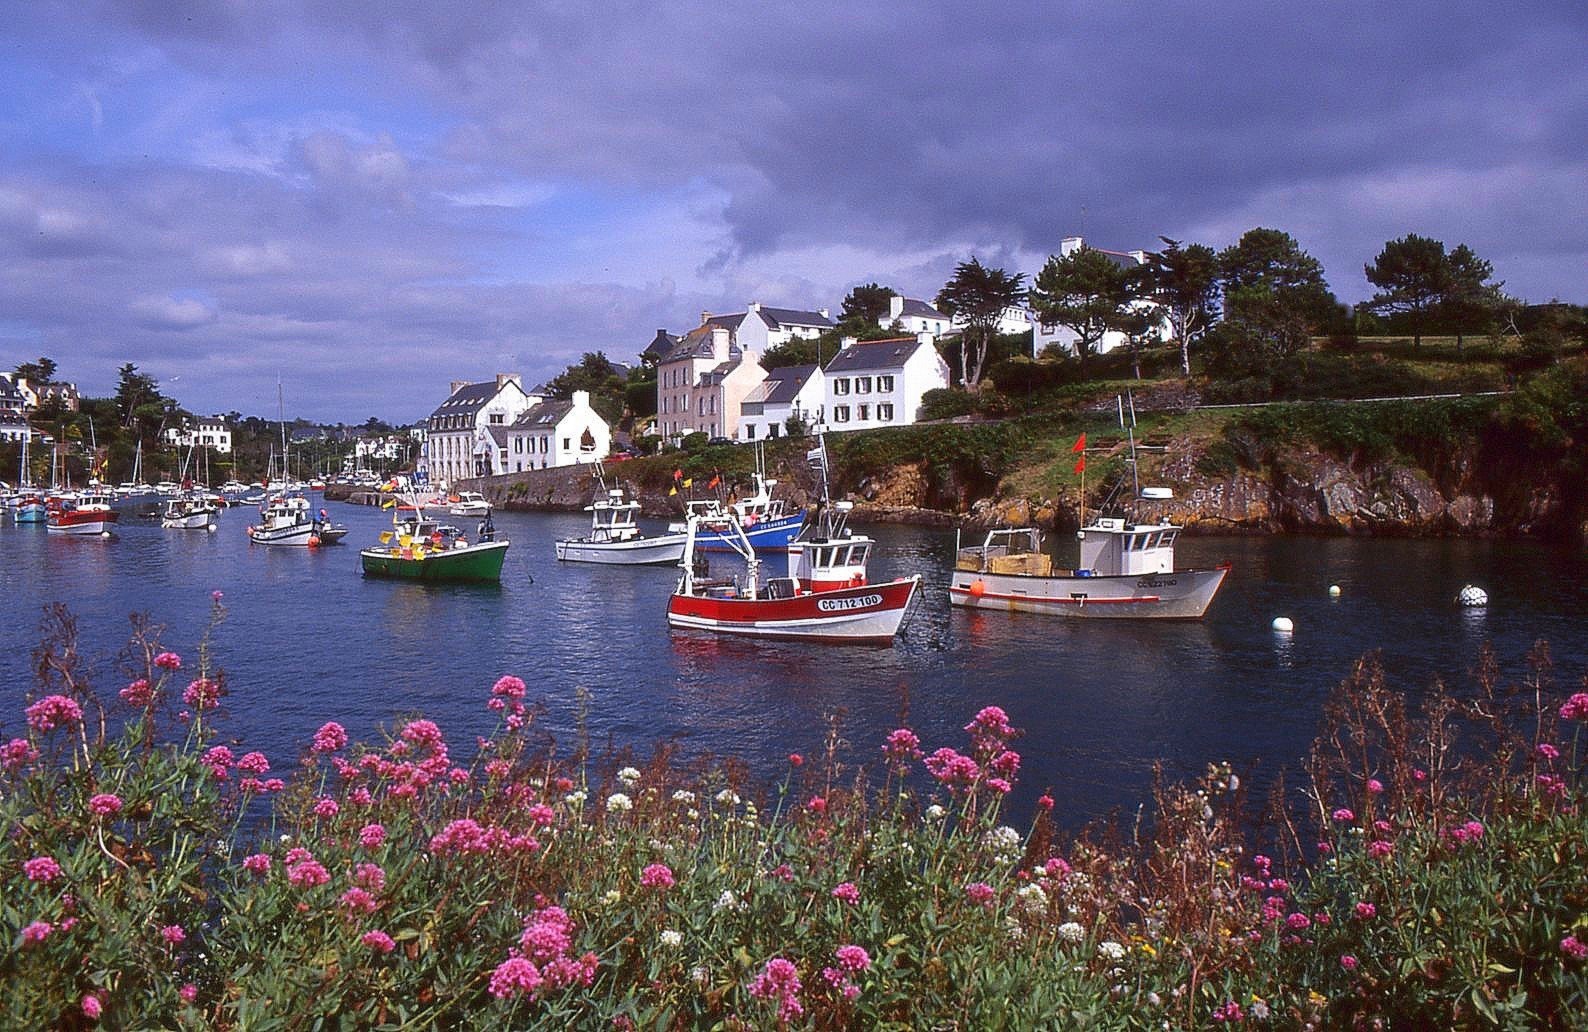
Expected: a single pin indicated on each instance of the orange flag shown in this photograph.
(1080, 444)
(1080, 464)
(713, 482)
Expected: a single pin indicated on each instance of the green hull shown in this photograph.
(481, 562)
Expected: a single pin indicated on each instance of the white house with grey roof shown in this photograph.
(881, 382)
(787, 392)
(913, 316)
(553, 433)
(1063, 338)
(458, 438)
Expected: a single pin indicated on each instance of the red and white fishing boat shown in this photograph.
(83, 515)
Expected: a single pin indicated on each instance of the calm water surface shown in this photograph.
(308, 639)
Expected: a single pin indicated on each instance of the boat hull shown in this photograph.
(1178, 595)
(190, 521)
(866, 614)
(32, 512)
(82, 524)
(471, 510)
(667, 549)
(472, 564)
(766, 536)
(303, 535)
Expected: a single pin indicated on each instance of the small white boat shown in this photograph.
(616, 539)
(192, 511)
(469, 504)
(288, 520)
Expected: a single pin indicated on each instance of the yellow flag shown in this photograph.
(388, 503)
(385, 537)
(690, 482)
(672, 490)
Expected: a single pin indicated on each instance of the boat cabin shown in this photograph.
(1112, 546)
(613, 519)
(822, 565)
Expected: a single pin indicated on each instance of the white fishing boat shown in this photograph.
(289, 520)
(615, 537)
(468, 504)
(193, 510)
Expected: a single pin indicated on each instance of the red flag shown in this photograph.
(1080, 444)
(713, 482)
(678, 474)
(1080, 464)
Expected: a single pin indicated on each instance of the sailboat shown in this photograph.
(285, 517)
(26, 504)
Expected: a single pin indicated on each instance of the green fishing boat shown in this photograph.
(421, 549)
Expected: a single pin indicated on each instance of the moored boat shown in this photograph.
(615, 537)
(191, 511)
(768, 523)
(80, 515)
(470, 504)
(289, 520)
(418, 548)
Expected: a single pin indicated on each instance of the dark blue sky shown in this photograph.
(370, 203)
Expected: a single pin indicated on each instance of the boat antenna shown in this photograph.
(1135, 471)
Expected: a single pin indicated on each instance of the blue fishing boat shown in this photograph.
(768, 523)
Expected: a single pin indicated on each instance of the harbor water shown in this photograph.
(308, 639)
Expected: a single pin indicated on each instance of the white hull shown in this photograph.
(93, 529)
(476, 510)
(192, 521)
(668, 549)
(1177, 595)
(298, 536)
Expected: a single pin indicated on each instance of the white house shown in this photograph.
(14, 427)
(458, 442)
(1046, 335)
(388, 448)
(212, 433)
(701, 384)
(881, 382)
(553, 433)
(912, 316)
(764, 327)
(786, 392)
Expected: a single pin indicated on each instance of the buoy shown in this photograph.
(210, 528)
(104, 533)
(314, 541)
(1472, 597)
(1284, 624)
(977, 588)
(1334, 591)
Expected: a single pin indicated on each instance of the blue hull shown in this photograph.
(770, 536)
(32, 515)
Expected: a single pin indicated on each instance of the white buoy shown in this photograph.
(1472, 597)
(1334, 591)
(104, 533)
(210, 528)
(1284, 624)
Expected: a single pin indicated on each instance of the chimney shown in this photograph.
(457, 385)
(925, 338)
(753, 306)
(719, 343)
(502, 379)
(1069, 245)
(705, 317)
(845, 343)
(581, 399)
(824, 313)
(895, 307)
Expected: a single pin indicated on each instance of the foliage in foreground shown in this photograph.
(390, 885)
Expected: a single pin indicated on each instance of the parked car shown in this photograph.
(719, 440)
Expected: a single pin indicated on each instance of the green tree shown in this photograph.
(1413, 276)
(134, 391)
(36, 373)
(977, 296)
(865, 305)
(594, 373)
(1274, 292)
(1090, 293)
(1470, 304)
(1184, 282)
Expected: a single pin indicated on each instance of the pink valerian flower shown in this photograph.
(92, 1007)
(1378, 849)
(1343, 816)
(541, 815)
(139, 693)
(1374, 786)
(847, 893)
(371, 835)
(464, 835)
(1574, 948)
(1348, 962)
(173, 934)
(953, 770)
(1548, 752)
(1229, 1011)
(1056, 867)
(360, 796)
(216, 596)
(17, 753)
(424, 733)
(307, 873)
(1045, 802)
(1382, 828)
(273, 784)
(853, 958)
(990, 731)
(202, 694)
(1419, 775)
(359, 900)
(36, 932)
(1365, 911)
(1006, 764)
(219, 760)
(41, 869)
(513, 977)
(902, 746)
(1299, 922)
(980, 893)
(816, 804)
(168, 661)
(796, 760)
(330, 738)
(508, 687)
(189, 991)
(1469, 832)
(378, 941)
(297, 855)
(370, 876)
(1000, 785)
(782, 872)
(105, 804)
(657, 876)
(257, 863)
(779, 980)
(254, 763)
(52, 711)
(327, 807)
(1575, 708)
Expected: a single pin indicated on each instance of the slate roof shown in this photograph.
(874, 354)
(921, 309)
(662, 345)
(776, 317)
(543, 416)
(781, 385)
(468, 399)
(697, 342)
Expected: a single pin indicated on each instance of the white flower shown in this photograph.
(1069, 931)
(726, 901)
(683, 796)
(1111, 950)
(617, 802)
(1012, 929)
(728, 797)
(612, 898)
(628, 775)
(575, 798)
(693, 815)
(935, 812)
(1004, 842)
(1033, 898)
(671, 939)
(700, 974)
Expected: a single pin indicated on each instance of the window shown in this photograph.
(841, 386)
(863, 413)
(496, 418)
(840, 413)
(885, 413)
(567, 444)
(884, 384)
(686, 403)
(545, 446)
(771, 430)
(749, 431)
(518, 448)
(862, 386)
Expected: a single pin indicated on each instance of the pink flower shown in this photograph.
(1343, 815)
(371, 835)
(779, 981)
(847, 893)
(548, 933)
(902, 746)
(1549, 752)
(424, 733)
(105, 804)
(254, 763)
(216, 596)
(138, 693)
(1419, 775)
(952, 769)
(189, 991)
(36, 932)
(816, 804)
(257, 863)
(326, 807)
(1056, 867)
(999, 785)
(1574, 948)
(980, 893)
(508, 687)
(370, 876)
(379, 941)
(795, 760)
(1365, 911)
(1575, 708)
(17, 753)
(1378, 849)
(657, 876)
(1299, 922)
(1348, 962)
(41, 869)
(307, 873)
(1375, 786)
(168, 661)
(514, 976)
(1230, 1011)
(173, 934)
(854, 958)
(1005, 764)
(92, 1008)
(219, 760)
(51, 710)
(274, 784)
(330, 738)
(202, 694)
(1045, 801)
(358, 900)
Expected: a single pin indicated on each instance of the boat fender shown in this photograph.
(407, 553)
(250, 530)
(314, 541)
(977, 588)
